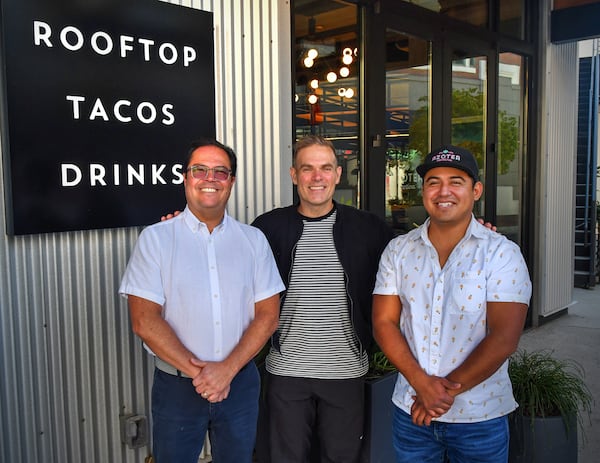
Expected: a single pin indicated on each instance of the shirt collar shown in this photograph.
(196, 225)
(475, 230)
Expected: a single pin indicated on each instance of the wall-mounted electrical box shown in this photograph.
(134, 430)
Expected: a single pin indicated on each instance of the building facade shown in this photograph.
(481, 73)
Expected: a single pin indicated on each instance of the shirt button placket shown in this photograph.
(435, 326)
(216, 297)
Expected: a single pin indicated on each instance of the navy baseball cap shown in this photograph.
(450, 156)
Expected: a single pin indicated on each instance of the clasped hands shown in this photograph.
(213, 382)
(434, 398)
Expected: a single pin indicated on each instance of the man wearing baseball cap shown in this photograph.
(449, 306)
(450, 156)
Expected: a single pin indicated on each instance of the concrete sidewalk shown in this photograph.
(576, 335)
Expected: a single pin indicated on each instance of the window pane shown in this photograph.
(408, 71)
(511, 18)
(326, 83)
(472, 11)
(469, 96)
(560, 4)
(511, 145)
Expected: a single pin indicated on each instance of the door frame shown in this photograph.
(375, 19)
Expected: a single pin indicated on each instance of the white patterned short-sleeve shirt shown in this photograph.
(443, 314)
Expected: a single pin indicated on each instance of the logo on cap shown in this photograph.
(445, 156)
(451, 156)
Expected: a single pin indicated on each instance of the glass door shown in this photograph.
(468, 122)
(436, 92)
(326, 84)
(428, 82)
(488, 118)
(407, 131)
(512, 127)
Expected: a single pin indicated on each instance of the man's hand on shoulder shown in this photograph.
(487, 225)
(170, 216)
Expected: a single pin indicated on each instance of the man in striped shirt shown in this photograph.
(327, 255)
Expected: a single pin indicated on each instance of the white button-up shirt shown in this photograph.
(207, 283)
(443, 314)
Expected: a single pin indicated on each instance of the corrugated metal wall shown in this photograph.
(557, 217)
(69, 363)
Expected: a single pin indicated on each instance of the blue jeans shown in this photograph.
(482, 442)
(181, 418)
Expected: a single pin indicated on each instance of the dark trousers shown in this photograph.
(181, 418)
(334, 409)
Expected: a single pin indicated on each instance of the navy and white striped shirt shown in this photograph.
(316, 335)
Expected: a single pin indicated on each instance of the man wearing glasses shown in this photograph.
(203, 293)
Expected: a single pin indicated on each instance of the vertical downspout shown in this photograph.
(594, 106)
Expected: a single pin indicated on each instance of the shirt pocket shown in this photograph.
(468, 292)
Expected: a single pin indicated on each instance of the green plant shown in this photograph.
(379, 364)
(468, 108)
(261, 357)
(544, 385)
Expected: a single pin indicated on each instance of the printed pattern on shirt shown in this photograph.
(316, 335)
(443, 314)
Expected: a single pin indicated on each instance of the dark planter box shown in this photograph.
(547, 441)
(377, 441)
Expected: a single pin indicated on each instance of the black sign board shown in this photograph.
(101, 100)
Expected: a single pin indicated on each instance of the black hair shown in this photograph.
(211, 142)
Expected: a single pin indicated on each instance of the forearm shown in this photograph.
(505, 323)
(482, 363)
(260, 329)
(158, 335)
(253, 340)
(387, 310)
(393, 344)
(432, 396)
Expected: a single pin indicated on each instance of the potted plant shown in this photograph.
(552, 395)
(377, 444)
(398, 211)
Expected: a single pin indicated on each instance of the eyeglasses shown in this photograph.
(200, 172)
